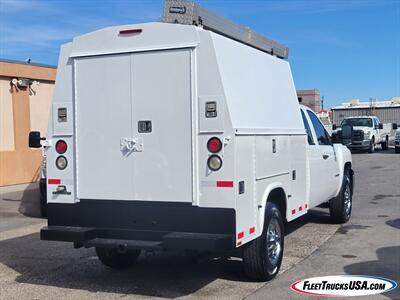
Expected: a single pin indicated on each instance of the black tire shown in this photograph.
(256, 261)
(397, 149)
(371, 148)
(385, 144)
(340, 207)
(43, 198)
(110, 257)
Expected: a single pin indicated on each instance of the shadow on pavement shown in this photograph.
(30, 201)
(163, 274)
(387, 265)
(24, 199)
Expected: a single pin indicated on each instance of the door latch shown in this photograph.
(128, 145)
(61, 190)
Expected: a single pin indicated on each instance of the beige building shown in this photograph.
(310, 98)
(25, 99)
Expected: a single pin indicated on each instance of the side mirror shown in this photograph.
(34, 139)
(380, 126)
(334, 127)
(394, 126)
(347, 134)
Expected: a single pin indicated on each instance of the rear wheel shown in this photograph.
(341, 206)
(262, 257)
(112, 258)
(397, 149)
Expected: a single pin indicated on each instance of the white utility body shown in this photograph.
(173, 136)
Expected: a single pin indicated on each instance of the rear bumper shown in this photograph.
(133, 239)
(140, 225)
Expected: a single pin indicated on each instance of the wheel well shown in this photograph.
(278, 197)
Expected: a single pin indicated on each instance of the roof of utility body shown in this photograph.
(257, 86)
(154, 36)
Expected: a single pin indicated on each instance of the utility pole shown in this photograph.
(322, 103)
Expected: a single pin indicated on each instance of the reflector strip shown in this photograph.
(252, 230)
(224, 183)
(54, 181)
(293, 211)
(240, 235)
(128, 31)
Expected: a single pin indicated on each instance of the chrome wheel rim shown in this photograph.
(274, 247)
(347, 199)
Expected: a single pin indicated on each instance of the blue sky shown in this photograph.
(345, 48)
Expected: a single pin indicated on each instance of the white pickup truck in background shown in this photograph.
(368, 132)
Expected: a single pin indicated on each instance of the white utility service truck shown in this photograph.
(185, 134)
(368, 132)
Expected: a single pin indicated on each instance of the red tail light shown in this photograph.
(61, 147)
(214, 145)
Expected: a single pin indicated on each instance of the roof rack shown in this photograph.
(189, 13)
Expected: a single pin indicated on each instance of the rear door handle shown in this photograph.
(325, 156)
(61, 190)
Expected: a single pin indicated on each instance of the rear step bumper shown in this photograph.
(131, 239)
(141, 225)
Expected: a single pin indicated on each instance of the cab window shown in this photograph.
(308, 129)
(320, 132)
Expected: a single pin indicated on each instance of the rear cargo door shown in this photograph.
(103, 117)
(133, 126)
(161, 93)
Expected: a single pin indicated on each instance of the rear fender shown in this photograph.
(263, 203)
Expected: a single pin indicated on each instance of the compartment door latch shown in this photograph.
(129, 145)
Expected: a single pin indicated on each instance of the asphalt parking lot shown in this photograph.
(369, 244)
